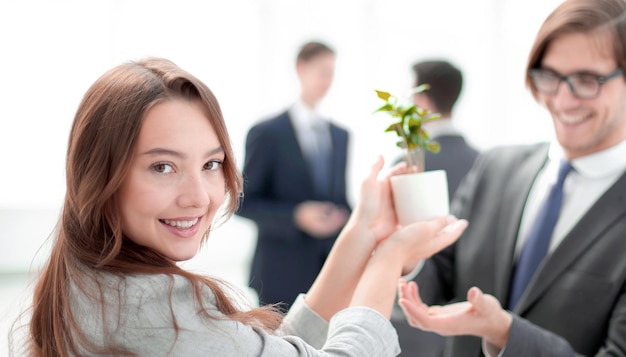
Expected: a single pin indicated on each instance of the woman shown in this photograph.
(149, 164)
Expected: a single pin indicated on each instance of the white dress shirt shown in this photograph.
(443, 126)
(592, 176)
(304, 119)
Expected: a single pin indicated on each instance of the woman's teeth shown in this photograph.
(180, 224)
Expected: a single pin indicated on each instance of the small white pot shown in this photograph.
(420, 196)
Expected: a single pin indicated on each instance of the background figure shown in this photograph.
(547, 221)
(295, 185)
(446, 82)
(456, 158)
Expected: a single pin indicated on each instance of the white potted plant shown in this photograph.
(418, 195)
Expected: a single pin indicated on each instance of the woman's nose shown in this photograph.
(194, 191)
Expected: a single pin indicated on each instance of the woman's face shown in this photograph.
(175, 183)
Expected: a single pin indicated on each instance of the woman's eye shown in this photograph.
(213, 165)
(162, 168)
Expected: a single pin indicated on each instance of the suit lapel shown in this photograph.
(609, 208)
(514, 201)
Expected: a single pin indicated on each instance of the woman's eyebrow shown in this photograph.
(170, 152)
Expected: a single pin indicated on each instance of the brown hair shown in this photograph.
(445, 80)
(312, 49)
(574, 16)
(89, 238)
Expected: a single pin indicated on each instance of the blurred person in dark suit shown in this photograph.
(295, 184)
(446, 83)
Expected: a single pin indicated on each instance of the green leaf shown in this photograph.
(433, 117)
(409, 119)
(383, 95)
(397, 127)
(415, 122)
(434, 147)
(408, 111)
(420, 88)
(385, 108)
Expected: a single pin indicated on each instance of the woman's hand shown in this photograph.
(372, 220)
(377, 286)
(375, 209)
(422, 239)
(481, 315)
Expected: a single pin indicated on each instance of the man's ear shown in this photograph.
(300, 67)
(422, 100)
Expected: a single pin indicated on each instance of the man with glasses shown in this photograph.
(543, 261)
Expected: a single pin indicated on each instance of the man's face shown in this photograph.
(585, 126)
(316, 76)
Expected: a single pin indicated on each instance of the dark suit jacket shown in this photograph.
(456, 158)
(276, 179)
(576, 304)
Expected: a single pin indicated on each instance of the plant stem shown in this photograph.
(414, 159)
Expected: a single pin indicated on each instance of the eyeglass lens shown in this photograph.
(582, 85)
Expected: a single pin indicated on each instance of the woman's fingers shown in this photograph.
(450, 233)
(424, 239)
(375, 169)
(398, 169)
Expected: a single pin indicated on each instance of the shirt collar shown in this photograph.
(304, 116)
(443, 126)
(599, 164)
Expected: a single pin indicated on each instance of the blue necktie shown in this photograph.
(538, 241)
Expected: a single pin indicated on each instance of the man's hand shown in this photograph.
(320, 220)
(481, 315)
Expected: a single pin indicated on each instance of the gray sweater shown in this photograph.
(138, 317)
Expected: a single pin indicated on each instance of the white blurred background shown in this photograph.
(52, 50)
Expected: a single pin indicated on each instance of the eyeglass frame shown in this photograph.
(600, 80)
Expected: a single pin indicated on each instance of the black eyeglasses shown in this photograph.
(582, 85)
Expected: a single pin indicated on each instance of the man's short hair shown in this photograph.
(312, 49)
(445, 80)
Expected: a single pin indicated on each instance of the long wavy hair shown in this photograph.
(89, 238)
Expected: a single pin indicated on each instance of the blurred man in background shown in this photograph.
(295, 185)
